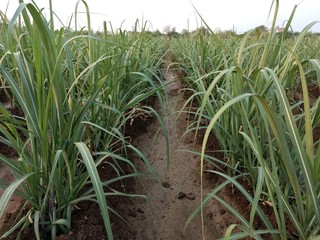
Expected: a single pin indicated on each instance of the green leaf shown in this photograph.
(97, 185)
(5, 197)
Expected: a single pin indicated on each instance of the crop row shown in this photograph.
(254, 92)
(76, 91)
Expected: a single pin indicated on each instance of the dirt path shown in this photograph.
(171, 203)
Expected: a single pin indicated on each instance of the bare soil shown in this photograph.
(176, 194)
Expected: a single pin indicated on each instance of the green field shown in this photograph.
(74, 93)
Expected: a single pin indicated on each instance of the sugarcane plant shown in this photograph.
(76, 90)
(245, 88)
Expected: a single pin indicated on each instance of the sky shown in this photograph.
(238, 15)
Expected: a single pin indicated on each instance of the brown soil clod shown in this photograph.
(166, 185)
(191, 196)
(181, 195)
